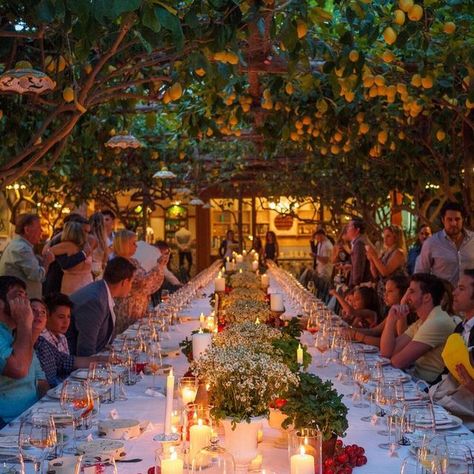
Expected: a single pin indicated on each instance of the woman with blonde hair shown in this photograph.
(74, 240)
(133, 307)
(100, 255)
(391, 262)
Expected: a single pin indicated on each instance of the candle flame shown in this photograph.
(302, 451)
(200, 422)
(240, 271)
(171, 372)
(200, 330)
(257, 321)
(306, 440)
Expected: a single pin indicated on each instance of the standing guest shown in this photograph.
(74, 240)
(341, 257)
(451, 250)
(422, 343)
(21, 379)
(62, 262)
(109, 223)
(424, 232)
(313, 244)
(145, 283)
(93, 318)
(391, 262)
(457, 397)
(19, 259)
(271, 249)
(324, 264)
(183, 242)
(360, 266)
(100, 254)
(51, 347)
(228, 245)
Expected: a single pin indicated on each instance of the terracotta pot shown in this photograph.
(329, 447)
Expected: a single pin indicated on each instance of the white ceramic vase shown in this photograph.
(242, 441)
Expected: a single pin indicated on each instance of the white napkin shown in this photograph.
(154, 393)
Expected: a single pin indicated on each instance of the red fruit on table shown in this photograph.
(361, 460)
(342, 458)
(329, 462)
(339, 443)
(329, 471)
(361, 451)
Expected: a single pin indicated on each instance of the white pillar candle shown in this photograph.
(169, 402)
(201, 341)
(265, 280)
(276, 302)
(244, 252)
(299, 355)
(219, 283)
(229, 266)
(255, 265)
(302, 463)
(173, 465)
(239, 258)
(199, 437)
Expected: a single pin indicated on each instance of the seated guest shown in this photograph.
(422, 343)
(395, 288)
(93, 318)
(457, 397)
(360, 308)
(129, 309)
(51, 347)
(21, 379)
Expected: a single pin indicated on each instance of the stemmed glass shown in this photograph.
(322, 345)
(100, 378)
(312, 325)
(155, 362)
(77, 401)
(311, 286)
(37, 438)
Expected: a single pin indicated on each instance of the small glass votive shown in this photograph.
(305, 451)
(170, 459)
(188, 387)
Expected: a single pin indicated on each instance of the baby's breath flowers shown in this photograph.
(241, 311)
(245, 280)
(247, 334)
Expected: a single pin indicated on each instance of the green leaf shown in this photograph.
(172, 24)
(45, 11)
(150, 20)
(170, 9)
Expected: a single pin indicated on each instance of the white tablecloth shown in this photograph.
(143, 407)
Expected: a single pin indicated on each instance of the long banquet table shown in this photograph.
(145, 407)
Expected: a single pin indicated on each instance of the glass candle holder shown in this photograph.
(305, 451)
(188, 387)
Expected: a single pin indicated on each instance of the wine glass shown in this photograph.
(393, 419)
(11, 463)
(100, 378)
(37, 438)
(76, 400)
(322, 345)
(312, 325)
(311, 286)
(155, 362)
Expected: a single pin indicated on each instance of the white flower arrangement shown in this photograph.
(248, 334)
(242, 383)
(242, 294)
(245, 279)
(241, 311)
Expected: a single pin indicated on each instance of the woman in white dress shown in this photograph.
(73, 240)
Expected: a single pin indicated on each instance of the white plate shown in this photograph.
(8, 441)
(80, 374)
(54, 393)
(366, 349)
(446, 424)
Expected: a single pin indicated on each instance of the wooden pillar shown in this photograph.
(239, 221)
(254, 218)
(203, 238)
(396, 200)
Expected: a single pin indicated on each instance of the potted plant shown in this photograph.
(316, 404)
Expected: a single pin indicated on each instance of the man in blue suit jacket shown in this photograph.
(93, 318)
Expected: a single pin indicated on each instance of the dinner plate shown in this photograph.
(8, 441)
(366, 349)
(446, 423)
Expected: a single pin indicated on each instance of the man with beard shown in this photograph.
(456, 397)
(422, 343)
(451, 250)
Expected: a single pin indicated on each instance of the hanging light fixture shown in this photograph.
(24, 80)
(182, 191)
(208, 205)
(195, 201)
(164, 173)
(123, 142)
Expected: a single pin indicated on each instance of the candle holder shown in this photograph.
(170, 460)
(305, 451)
(188, 387)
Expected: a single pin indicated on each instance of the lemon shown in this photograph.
(440, 135)
(360, 117)
(289, 88)
(416, 80)
(68, 94)
(354, 56)
(406, 5)
(166, 98)
(232, 58)
(350, 95)
(399, 17)
(306, 120)
(315, 133)
(379, 80)
(427, 82)
(401, 135)
(23, 65)
(301, 29)
(62, 63)
(298, 125)
(416, 13)
(449, 27)
(267, 94)
(369, 81)
(364, 128)
(49, 64)
(323, 150)
(335, 149)
(389, 35)
(338, 136)
(382, 137)
(175, 91)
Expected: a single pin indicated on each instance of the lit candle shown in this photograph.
(255, 265)
(265, 280)
(257, 321)
(299, 355)
(244, 252)
(175, 418)
(229, 266)
(201, 341)
(239, 258)
(173, 465)
(188, 394)
(302, 463)
(169, 401)
(199, 437)
(234, 265)
(240, 270)
(219, 283)
(202, 319)
(276, 302)
(210, 323)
